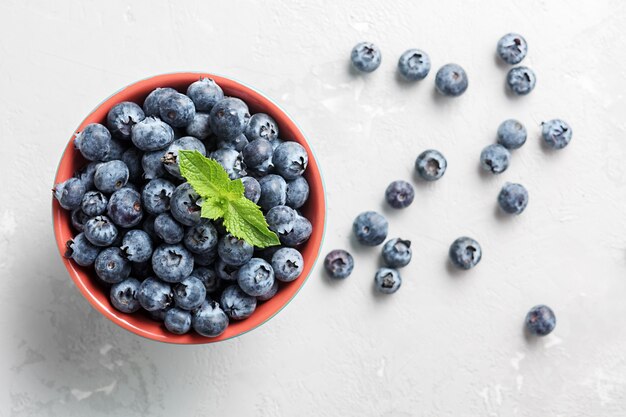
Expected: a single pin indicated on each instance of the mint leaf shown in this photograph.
(235, 188)
(206, 176)
(212, 208)
(245, 220)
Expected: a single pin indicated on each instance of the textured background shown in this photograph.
(448, 343)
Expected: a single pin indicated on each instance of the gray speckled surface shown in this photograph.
(447, 343)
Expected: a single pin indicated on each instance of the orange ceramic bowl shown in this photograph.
(140, 323)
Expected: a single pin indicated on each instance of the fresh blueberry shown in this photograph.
(397, 253)
(229, 117)
(231, 160)
(152, 164)
(111, 266)
(301, 232)
(152, 134)
(431, 165)
(189, 293)
(94, 203)
(256, 277)
(387, 280)
(540, 320)
(172, 263)
(209, 320)
(94, 142)
(414, 64)
(252, 189)
(123, 295)
(81, 250)
(290, 160)
(511, 134)
(184, 205)
(122, 117)
(370, 228)
(556, 133)
(154, 294)
(465, 253)
(202, 237)
(521, 80)
(177, 321)
(205, 93)
(237, 143)
(281, 219)
(148, 227)
(208, 277)
(233, 251)
(111, 176)
(513, 198)
(273, 191)
(125, 208)
(451, 80)
(78, 219)
(236, 303)
(399, 194)
(270, 294)
(276, 143)
(495, 158)
(170, 159)
(116, 151)
(152, 103)
(366, 57)
(226, 272)
(86, 174)
(132, 158)
(137, 246)
(156, 195)
(288, 264)
(168, 229)
(261, 126)
(339, 264)
(69, 193)
(512, 48)
(100, 231)
(177, 110)
(200, 126)
(257, 155)
(297, 192)
(205, 258)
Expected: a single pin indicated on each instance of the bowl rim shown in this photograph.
(61, 216)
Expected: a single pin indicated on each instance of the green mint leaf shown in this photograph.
(212, 208)
(206, 176)
(235, 189)
(244, 219)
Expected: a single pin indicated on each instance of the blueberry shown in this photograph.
(276, 142)
(397, 253)
(229, 117)
(540, 320)
(208, 277)
(290, 160)
(100, 231)
(288, 264)
(177, 321)
(78, 219)
(189, 293)
(69, 193)
(297, 192)
(237, 143)
(256, 277)
(556, 133)
(261, 126)
(414, 64)
(86, 174)
(370, 228)
(177, 110)
(451, 80)
(511, 134)
(152, 134)
(231, 160)
(226, 272)
(301, 232)
(387, 280)
(234, 251)
(205, 258)
(152, 164)
(465, 253)
(339, 264)
(366, 57)
(201, 238)
(122, 117)
(184, 205)
(236, 303)
(281, 219)
(168, 229)
(270, 294)
(252, 189)
(151, 105)
(116, 150)
(148, 227)
(137, 246)
(111, 176)
(94, 142)
(273, 191)
(257, 155)
(94, 203)
(123, 295)
(125, 208)
(431, 165)
(170, 159)
(172, 263)
(495, 158)
(81, 250)
(156, 195)
(200, 126)
(154, 294)
(399, 194)
(209, 320)
(132, 158)
(521, 80)
(512, 48)
(205, 93)
(513, 198)
(111, 266)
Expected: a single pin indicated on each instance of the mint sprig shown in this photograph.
(224, 198)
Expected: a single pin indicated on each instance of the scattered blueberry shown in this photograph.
(69, 193)
(137, 246)
(111, 266)
(177, 321)
(370, 228)
(123, 295)
(495, 158)
(513, 198)
(451, 80)
(233, 251)
(236, 303)
(339, 264)
(229, 117)
(290, 160)
(94, 142)
(124, 208)
(387, 280)
(511, 134)
(431, 165)
(154, 294)
(111, 176)
(273, 191)
(209, 320)
(399, 194)
(366, 57)
(556, 133)
(261, 126)
(521, 80)
(152, 134)
(512, 48)
(465, 253)
(540, 320)
(397, 253)
(100, 231)
(190, 293)
(205, 93)
(414, 65)
(172, 263)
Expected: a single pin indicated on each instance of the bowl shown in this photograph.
(140, 323)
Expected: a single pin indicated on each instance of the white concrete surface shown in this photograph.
(447, 344)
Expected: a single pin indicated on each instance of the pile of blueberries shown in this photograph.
(370, 228)
(139, 223)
